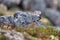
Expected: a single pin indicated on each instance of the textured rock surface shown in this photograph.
(53, 16)
(11, 2)
(3, 8)
(38, 5)
(12, 35)
(34, 5)
(52, 3)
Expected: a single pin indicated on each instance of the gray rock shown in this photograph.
(3, 8)
(34, 5)
(15, 8)
(1, 1)
(11, 2)
(53, 16)
(58, 5)
(52, 3)
(38, 5)
(12, 35)
(26, 4)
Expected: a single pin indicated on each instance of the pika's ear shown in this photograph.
(38, 13)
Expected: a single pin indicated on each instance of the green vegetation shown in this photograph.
(42, 32)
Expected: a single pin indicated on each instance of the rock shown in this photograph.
(0, 1)
(3, 8)
(38, 5)
(34, 5)
(58, 5)
(12, 35)
(11, 3)
(15, 8)
(51, 37)
(25, 4)
(52, 3)
(53, 16)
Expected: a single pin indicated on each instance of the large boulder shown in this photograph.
(34, 5)
(3, 9)
(52, 3)
(53, 16)
(12, 35)
(11, 3)
(38, 5)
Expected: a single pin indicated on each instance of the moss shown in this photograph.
(42, 29)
